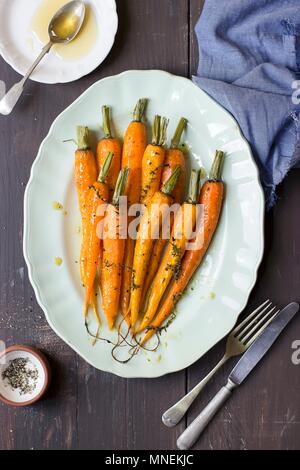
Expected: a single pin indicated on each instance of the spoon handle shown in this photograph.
(11, 98)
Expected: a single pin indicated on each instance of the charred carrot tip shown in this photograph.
(86, 307)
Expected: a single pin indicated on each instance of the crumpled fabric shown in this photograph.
(250, 63)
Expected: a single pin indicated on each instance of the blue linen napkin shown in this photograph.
(250, 64)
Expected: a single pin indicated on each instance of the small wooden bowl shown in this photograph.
(36, 357)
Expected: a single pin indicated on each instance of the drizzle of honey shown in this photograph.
(81, 45)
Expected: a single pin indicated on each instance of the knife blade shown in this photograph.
(263, 343)
(240, 372)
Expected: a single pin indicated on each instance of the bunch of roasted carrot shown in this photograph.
(142, 277)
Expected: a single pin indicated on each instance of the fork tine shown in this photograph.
(248, 344)
(245, 321)
(255, 320)
(261, 322)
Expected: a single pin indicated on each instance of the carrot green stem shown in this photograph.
(106, 122)
(193, 187)
(139, 109)
(159, 131)
(178, 133)
(120, 186)
(105, 169)
(170, 184)
(83, 140)
(216, 168)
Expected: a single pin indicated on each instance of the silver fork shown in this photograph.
(238, 342)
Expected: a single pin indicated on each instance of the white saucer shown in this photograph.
(19, 47)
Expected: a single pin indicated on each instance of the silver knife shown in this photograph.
(240, 372)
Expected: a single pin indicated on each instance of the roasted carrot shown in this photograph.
(184, 223)
(85, 174)
(109, 144)
(153, 160)
(211, 197)
(150, 224)
(174, 157)
(97, 196)
(135, 141)
(113, 254)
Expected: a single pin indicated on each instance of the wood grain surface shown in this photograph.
(88, 409)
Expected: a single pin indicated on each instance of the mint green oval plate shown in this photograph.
(220, 289)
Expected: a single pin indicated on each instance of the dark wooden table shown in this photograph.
(88, 409)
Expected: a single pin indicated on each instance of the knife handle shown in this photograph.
(194, 430)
